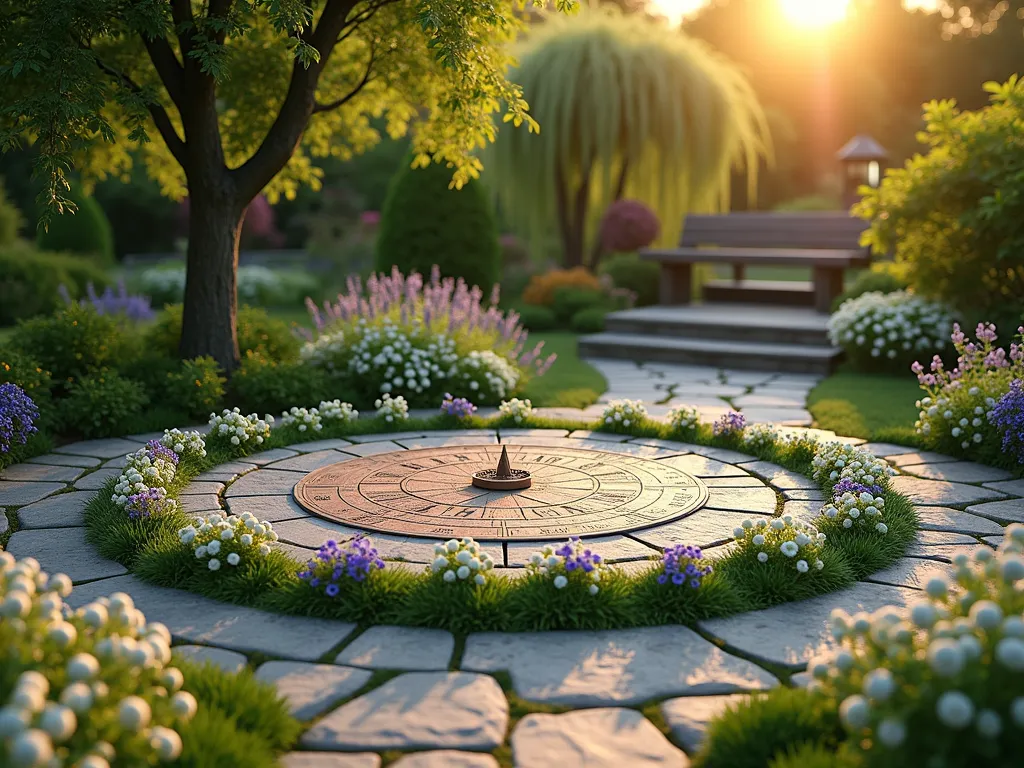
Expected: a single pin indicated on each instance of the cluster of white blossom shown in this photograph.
(683, 418)
(571, 563)
(964, 414)
(328, 351)
(863, 510)
(516, 409)
(461, 560)
(142, 472)
(835, 461)
(893, 326)
(402, 361)
(305, 418)
(487, 375)
(88, 688)
(335, 410)
(188, 445)
(941, 680)
(228, 539)
(758, 436)
(623, 413)
(242, 432)
(782, 540)
(392, 409)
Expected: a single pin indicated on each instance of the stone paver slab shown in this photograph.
(940, 493)
(269, 457)
(418, 710)
(885, 450)
(307, 462)
(802, 510)
(5, 524)
(445, 758)
(754, 501)
(611, 548)
(785, 416)
(779, 477)
(315, 446)
(377, 437)
(994, 541)
(311, 689)
(330, 760)
(1011, 487)
(226, 473)
(412, 648)
(419, 443)
(791, 633)
(940, 545)
(1010, 510)
(593, 738)
(779, 399)
(96, 480)
(910, 572)
(370, 449)
(505, 433)
(629, 449)
(623, 667)
(955, 521)
(196, 489)
(957, 472)
(703, 528)
(703, 467)
(102, 449)
(61, 511)
(229, 661)
(14, 494)
(744, 481)
(64, 550)
(919, 457)
(688, 717)
(264, 482)
(61, 460)
(41, 473)
(201, 504)
(193, 618)
(596, 434)
(272, 508)
(803, 494)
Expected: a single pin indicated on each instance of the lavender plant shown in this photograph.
(136, 308)
(730, 425)
(1008, 417)
(679, 566)
(337, 564)
(459, 407)
(18, 414)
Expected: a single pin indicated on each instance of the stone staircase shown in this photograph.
(761, 337)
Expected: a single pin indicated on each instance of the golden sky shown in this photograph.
(812, 11)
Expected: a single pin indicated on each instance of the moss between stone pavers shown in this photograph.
(150, 548)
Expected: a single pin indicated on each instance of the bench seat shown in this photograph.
(767, 256)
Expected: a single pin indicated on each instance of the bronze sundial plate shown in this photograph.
(430, 493)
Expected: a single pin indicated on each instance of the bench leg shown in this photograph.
(676, 283)
(739, 273)
(828, 284)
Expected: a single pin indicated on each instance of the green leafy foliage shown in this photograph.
(955, 215)
(536, 318)
(10, 220)
(590, 320)
(21, 369)
(883, 277)
(196, 387)
(101, 404)
(263, 385)
(87, 232)
(629, 271)
(30, 281)
(257, 332)
(424, 223)
(568, 301)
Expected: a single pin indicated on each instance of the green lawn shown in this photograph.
(868, 406)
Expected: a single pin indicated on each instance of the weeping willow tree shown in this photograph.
(627, 108)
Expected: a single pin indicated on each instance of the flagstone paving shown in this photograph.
(448, 706)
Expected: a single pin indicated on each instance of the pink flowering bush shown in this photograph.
(627, 226)
(956, 415)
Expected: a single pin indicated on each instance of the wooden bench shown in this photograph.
(828, 243)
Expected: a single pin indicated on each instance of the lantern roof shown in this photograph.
(862, 147)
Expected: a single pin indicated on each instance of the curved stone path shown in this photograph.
(589, 699)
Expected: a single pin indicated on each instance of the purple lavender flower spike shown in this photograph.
(680, 567)
(18, 414)
(1008, 417)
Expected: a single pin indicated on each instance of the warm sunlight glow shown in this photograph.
(815, 13)
(676, 10)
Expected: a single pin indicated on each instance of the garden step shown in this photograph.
(726, 322)
(747, 355)
(778, 292)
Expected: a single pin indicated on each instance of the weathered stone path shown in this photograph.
(446, 703)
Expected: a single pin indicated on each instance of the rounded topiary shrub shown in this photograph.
(628, 271)
(424, 223)
(87, 231)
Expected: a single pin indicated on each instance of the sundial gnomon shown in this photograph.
(429, 493)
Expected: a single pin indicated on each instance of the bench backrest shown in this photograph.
(774, 230)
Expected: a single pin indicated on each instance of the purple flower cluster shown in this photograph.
(585, 560)
(679, 566)
(18, 414)
(846, 485)
(1008, 417)
(135, 308)
(152, 501)
(447, 305)
(731, 424)
(354, 560)
(459, 407)
(157, 450)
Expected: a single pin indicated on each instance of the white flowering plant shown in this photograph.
(515, 409)
(572, 564)
(188, 445)
(237, 432)
(782, 541)
(940, 682)
(149, 468)
(487, 376)
(227, 541)
(861, 508)
(392, 409)
(759, 437)
(461, 561)
(90, 687)
(684, 419)
(304, 419)
(835, 461)
(337, 411)
(620, 415)
(887, 332)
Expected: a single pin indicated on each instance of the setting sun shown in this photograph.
(814, 13)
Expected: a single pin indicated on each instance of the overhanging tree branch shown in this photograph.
(167, 66)
(367, 77)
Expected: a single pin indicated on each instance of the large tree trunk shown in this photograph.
(211, 296)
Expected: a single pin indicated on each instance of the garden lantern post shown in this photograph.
(863, 160)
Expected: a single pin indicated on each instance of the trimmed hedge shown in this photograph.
(30, 281)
